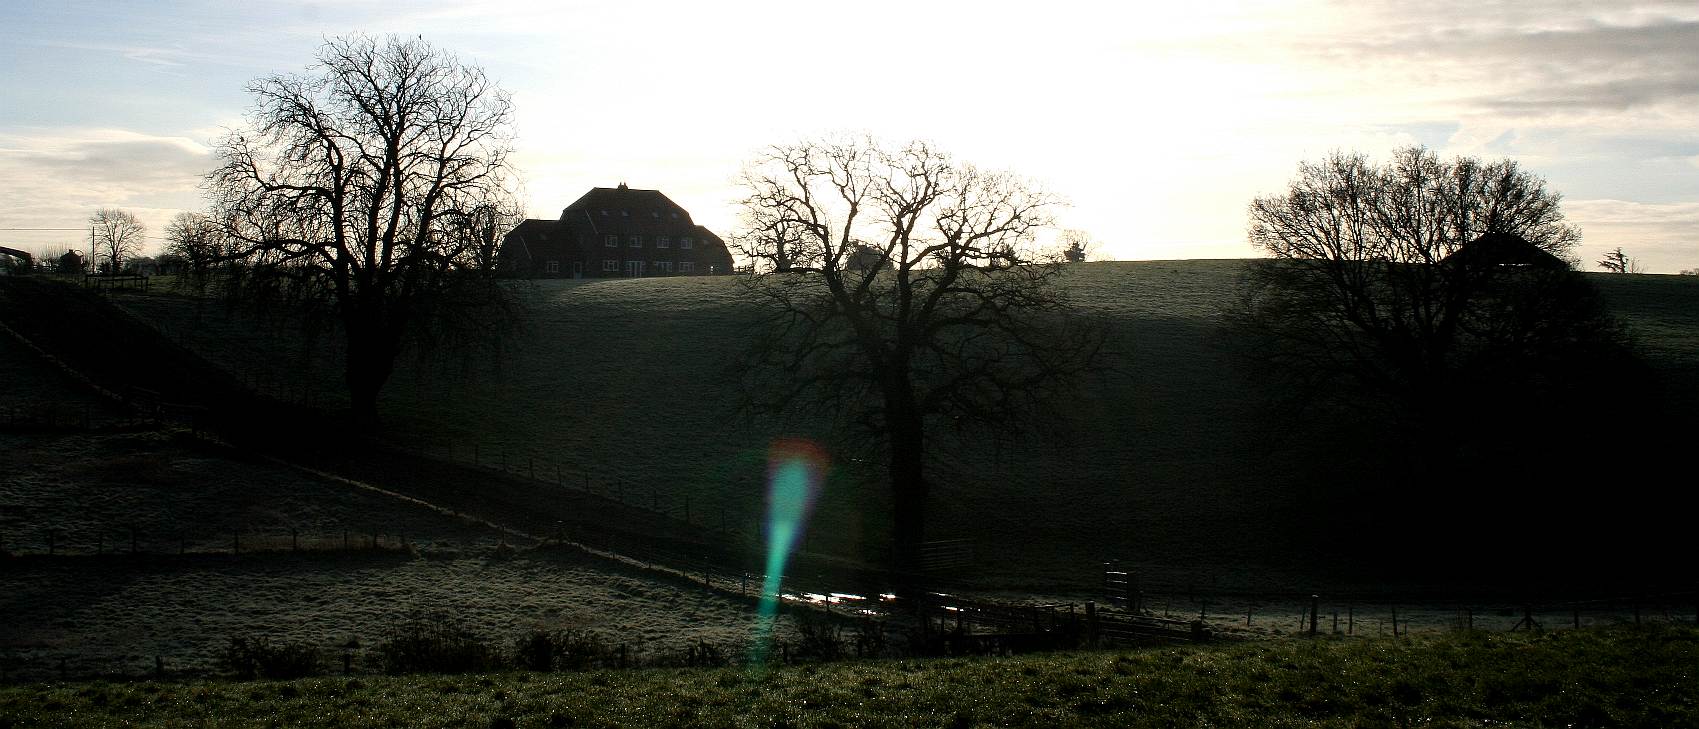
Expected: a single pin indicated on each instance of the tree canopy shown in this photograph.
(904, 295)
(372, 186)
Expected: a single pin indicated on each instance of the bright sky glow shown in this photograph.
(1158, 123)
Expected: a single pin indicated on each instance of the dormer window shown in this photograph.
(625, 213)
(604, 213)
(655, 215)
(675, 216)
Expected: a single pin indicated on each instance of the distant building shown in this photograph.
(71, 262)
(1503, 249)
(615, 232)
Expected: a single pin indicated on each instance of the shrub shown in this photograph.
(561, 650)
(251, 658)
(435, 644)
(819, 637)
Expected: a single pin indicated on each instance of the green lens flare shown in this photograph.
(795, 472)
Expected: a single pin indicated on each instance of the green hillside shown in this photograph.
(1168, 463)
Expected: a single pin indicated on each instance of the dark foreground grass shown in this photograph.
(1622, 676)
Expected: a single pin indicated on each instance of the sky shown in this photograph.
(1157, 122)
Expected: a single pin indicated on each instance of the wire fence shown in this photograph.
(1369, 613)
(89, 541)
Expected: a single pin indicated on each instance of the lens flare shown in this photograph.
(796, 469)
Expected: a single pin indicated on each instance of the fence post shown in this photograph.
(1091, 623)
(1575, 615)
(1248, 608)
(1315, 603)
(1350, 619)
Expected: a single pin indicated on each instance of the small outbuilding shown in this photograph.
(1503, 249)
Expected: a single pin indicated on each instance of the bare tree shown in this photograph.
(1618, 262)
(117, 233)
(368, 187)
(198, 240)
(1077, 245)
(905, 298)
(1423, 288)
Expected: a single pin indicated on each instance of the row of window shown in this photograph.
(661, 241)
(635, 268)
(627, 214)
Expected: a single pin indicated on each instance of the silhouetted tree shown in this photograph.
(1077, 245)
(904, 298)
(1618, 262)
(370, 189)
(1371, 279)
(1434, 301)
(117, 233)
(197, 240)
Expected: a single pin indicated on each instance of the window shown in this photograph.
(613, 241)
(654, 215)
(664, 266)
(625, 213)
(552, 267)
(634, 268)
(684, 243)
(610, 265)
(662, 241)
(604, 213)
(686, 267)
(636, 241)
(675, 216)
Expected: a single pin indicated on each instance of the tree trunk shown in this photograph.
(908, 481)
(372, 350)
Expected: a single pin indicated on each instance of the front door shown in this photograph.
(578, 269)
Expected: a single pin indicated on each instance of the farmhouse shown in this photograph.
(611, 232)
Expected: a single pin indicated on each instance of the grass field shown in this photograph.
(1164, 464)
(86, 613)
(1614, 677)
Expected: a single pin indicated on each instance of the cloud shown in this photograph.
(1663, 236)
(1517, 64)
(55, 180)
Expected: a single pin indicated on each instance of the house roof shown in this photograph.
(1503, 249)
(624, 210)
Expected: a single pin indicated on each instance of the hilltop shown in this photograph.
(1171, 463)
